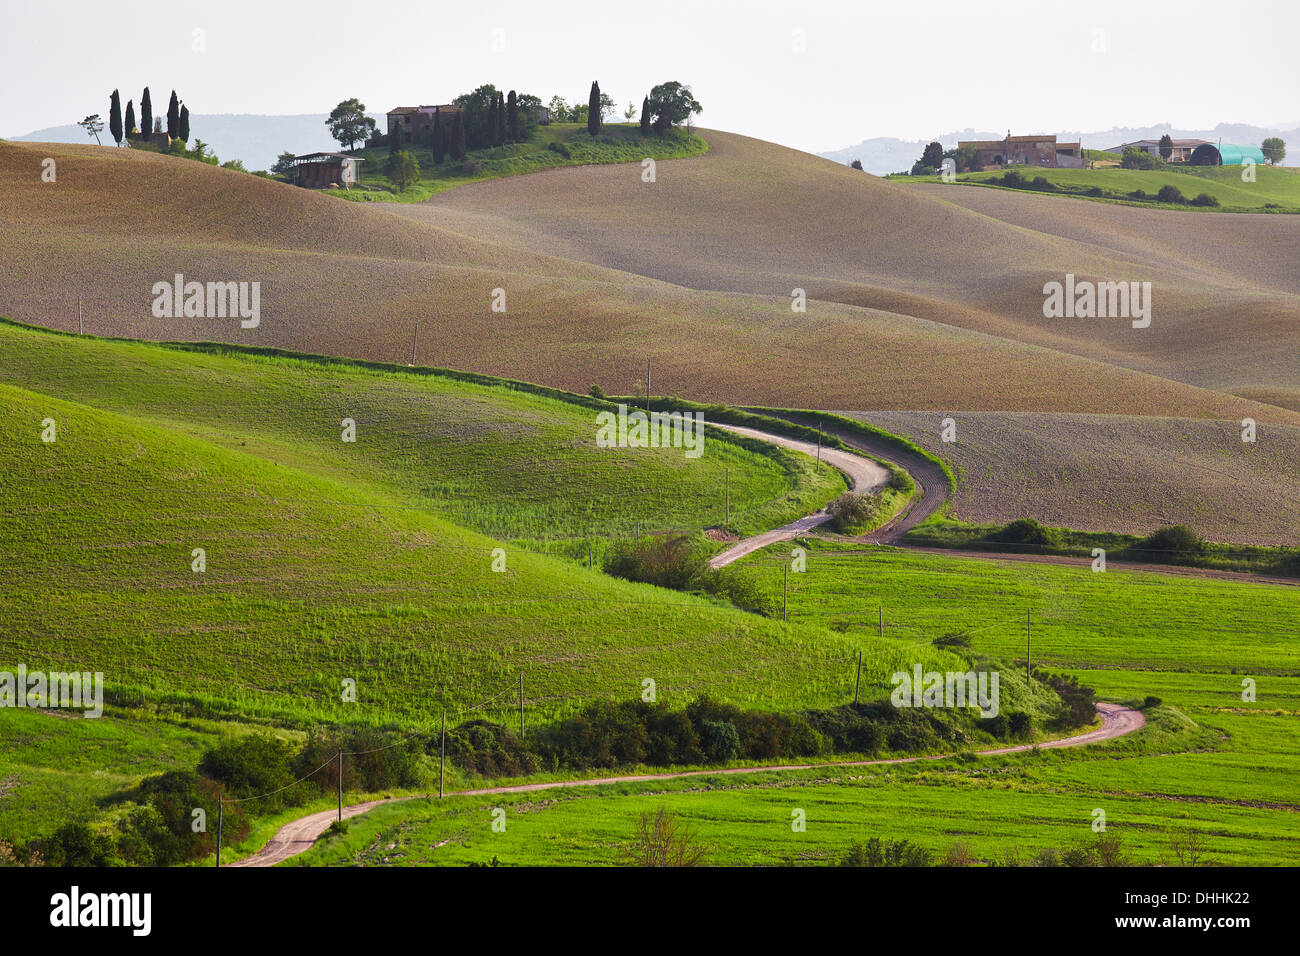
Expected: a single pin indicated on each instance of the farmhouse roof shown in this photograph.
(325, 158)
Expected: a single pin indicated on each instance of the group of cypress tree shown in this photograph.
(448, 139)
(178, 118)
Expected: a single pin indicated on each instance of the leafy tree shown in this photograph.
(965, 159)
(608, 108)
(593, 109)
(93, 126)
(559, 110)
(530, 115)
(670, 104)
(146, 113)
(645, 116)
(478, 116)
(283, 166)
(1135, 157)
(458, 137)
(174, 118)
(579, 113)
(439, 138)
(1274, 149)
(115, 117)
(932, 155)
(349, 124)
(1166, 147)
(129, 127)
(184, 133)
(512, 117)
(856, 164)
(236, 164)
(403, 170)
(630, 113)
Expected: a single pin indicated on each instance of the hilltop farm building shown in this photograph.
(1026, 151)
(326, 170)
(414, 121)
(1198, 152)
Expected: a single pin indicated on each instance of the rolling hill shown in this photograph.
(344, 279)
(326, 560)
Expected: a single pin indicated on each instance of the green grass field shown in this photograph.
(1275, 189)
(1206, 761)
(617, 143)
(372, 560)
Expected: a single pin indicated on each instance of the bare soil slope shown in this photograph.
(1111, 473)
(752, 216)
(339, 278)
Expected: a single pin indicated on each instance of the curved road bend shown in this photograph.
(863, 475)
(299, 835)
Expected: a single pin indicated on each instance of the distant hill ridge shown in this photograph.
(887, 154)
(256, 140)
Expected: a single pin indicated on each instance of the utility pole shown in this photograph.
(785, 593)
(858, 684)
(340, 786)
(1029, 633)
(442, 761)
(220, 806)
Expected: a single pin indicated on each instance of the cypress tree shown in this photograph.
(439, 138)
(146, 114)
(512, 117)
(115, 117)
(593, 110)
(458, 136)
(174, 117)
(645, 116)
(501, 120)
(129, 128)
(184, 133)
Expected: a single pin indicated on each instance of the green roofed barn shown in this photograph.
(1226, 154)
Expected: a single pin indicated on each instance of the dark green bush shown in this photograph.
(1170, 543)
(1170, 194)
(669, 560)
(852, 511)
(492, 750)
(720, 740)
(252, 765)
(1205, 199)
(1025, 531)
(887, 853)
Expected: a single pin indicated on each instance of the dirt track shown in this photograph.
(298, 836)
(863, 475)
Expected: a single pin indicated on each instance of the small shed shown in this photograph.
(1227, 154)
(323, 170)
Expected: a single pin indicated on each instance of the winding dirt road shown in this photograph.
(298, 835)
(863, 475)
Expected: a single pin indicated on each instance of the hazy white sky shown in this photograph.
(866, 69)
